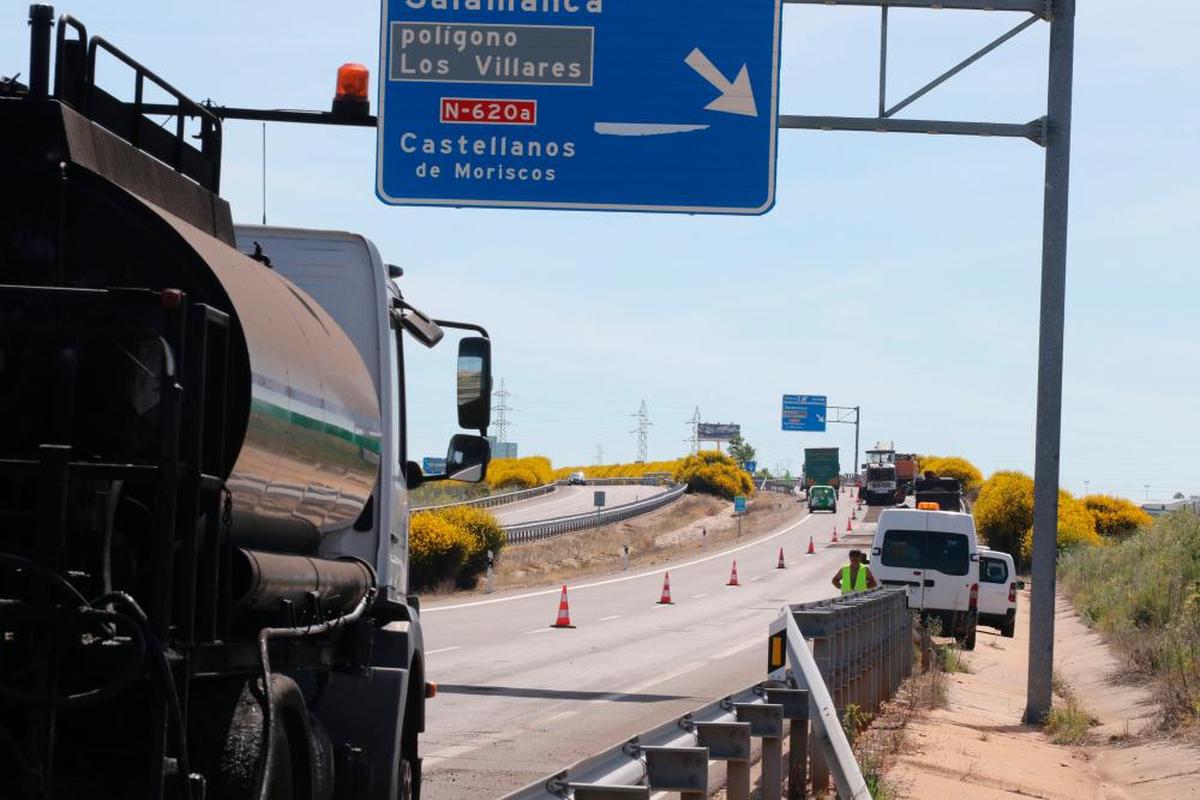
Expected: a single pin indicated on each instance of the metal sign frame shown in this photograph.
(1053, 133)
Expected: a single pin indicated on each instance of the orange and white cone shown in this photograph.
(811, 549)
(665, 600)
(733, 581)
(848, 526)
(782, 564)
(564, 612)
(834, 539)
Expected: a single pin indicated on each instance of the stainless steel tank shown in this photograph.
(309, 458)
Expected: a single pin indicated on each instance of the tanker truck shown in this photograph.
(203, 467)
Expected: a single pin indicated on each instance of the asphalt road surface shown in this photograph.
(565, 501)
(518, 699)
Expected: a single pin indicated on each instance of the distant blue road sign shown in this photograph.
(739, 504)
(582, 104)
(598, 499)
(750, 466)
(804, 412)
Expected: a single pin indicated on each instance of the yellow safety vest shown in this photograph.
(860, 582)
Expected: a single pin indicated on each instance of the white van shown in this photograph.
(998, 587)
(936, 555)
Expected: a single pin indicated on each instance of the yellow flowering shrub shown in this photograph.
(713, 472)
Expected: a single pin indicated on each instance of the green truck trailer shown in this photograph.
(821, 467)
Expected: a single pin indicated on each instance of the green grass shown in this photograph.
(1144, 594)
(952, 658)
(1068, 723)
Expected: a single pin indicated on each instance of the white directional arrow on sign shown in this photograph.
(736, 97)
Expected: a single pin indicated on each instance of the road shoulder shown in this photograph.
(980, 740)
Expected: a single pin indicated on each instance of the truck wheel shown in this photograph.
(835, 508)
(405, 790)
(1009, 629)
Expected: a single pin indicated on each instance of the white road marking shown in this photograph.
(698, 596)
(756, 579)
(542, 630)
(442, 650)
(606, 619)
(655, 572)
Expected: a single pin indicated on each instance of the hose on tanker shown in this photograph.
(169, 687)
(264, 638)
(143, 637)
(88, 613)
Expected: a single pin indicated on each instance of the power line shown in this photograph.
(642, 431)
(500, 411)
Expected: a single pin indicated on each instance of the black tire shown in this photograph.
(835, 508)
(405, 790)
(281, 786)
(1009, 629)
(968, 641)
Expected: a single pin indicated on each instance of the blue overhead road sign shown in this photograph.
(582, 104)
(804, 412)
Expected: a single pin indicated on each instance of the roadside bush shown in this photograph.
(437, 548)
(485, 533)
(953, 467)
(452, 544)
(1004, 516)
(1144, 593)
(1004, 511)
(713, 472)
(1116, 517)
(519, 473)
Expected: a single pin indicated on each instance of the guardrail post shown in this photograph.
(795, 710)
(729, 742)
(766, 721)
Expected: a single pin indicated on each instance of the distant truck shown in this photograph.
(906, 472)
(878, 486)
(821, 467)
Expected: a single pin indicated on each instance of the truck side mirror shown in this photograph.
(474, 385)
(467, 458)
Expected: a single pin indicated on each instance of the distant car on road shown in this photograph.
(822, 498)
(576, 479)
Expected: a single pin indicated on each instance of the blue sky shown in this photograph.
(898, 273)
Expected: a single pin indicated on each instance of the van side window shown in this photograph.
(993, 570)
(903, 549)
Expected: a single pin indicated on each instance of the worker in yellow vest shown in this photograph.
(855, 576)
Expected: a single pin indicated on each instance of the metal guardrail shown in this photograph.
(497, 499)
(526, 494)
(543, 529)
(860, 653)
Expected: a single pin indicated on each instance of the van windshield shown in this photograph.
(948, 553)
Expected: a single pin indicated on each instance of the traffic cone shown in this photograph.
(834, 539)
(665, 600)
(781, 564)
(733, 581)
(811, 550)
(848, 527)
(564, 613)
